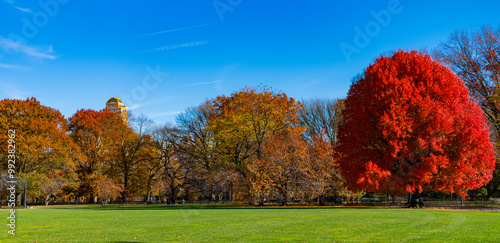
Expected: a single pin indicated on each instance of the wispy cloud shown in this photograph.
(8, 66)
(14, 5)
(32, 51)
(134, 106)
(137, 106)
(212, 82)
(26, 10)
(173, 30)
(165, 114)
(10, 90)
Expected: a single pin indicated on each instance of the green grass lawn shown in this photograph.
(198, 223)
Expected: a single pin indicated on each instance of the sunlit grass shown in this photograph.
(198, 223)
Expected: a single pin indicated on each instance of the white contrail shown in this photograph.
(213, 82)
(173, 30)
(176, 46)
(183, 45)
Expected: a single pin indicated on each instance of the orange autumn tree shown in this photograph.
(94, 133)
(242, 123)
(44, 151)
(281, 170)
(107, 188)
(292, 167)
(409, 125)
(322, 170)
(130, 152)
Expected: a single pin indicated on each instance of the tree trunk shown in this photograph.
(172, 194)
(125, 188)
(416, 200)
(321, 200)
(47, 200)
(285, 197)
(91, 199)
(412, 200)
(18, 197)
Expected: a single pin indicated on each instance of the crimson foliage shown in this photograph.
(410, 125)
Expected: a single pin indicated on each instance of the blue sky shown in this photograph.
(161, 57)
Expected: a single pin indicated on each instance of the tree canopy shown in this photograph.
(409, 125)
(475, 57)
(45, 154)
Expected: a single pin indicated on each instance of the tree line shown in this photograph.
(411, 122)
(250, 146)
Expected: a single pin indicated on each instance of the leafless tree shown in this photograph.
(322, 118)
(51, 188)
(175, 168)
(197, 146)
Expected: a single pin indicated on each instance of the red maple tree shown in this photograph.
(410, 125)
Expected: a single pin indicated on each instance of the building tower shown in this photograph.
(116, 105)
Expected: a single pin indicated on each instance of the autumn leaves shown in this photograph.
(45, 153)
(257, 133)
(408, 125)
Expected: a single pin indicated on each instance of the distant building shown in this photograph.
(116, 105)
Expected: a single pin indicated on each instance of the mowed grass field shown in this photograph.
(202, 223)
